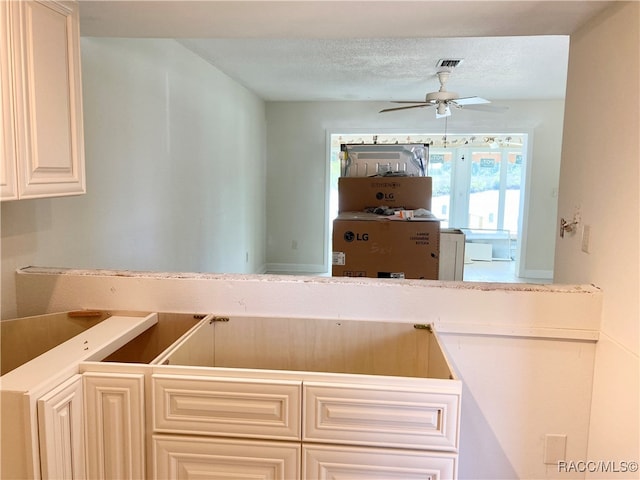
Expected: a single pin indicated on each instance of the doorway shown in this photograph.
(478, 186)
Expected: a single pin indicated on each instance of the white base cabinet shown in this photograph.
(302, 399)
(43, 397)
(214, 423)
(260, 398)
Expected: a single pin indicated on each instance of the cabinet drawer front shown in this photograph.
(326, 462)
(199, 458)
(380, 416)
(227, 406)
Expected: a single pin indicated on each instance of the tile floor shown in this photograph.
(496, 271)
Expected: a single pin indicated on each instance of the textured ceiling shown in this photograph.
(392, 69)
(363, 50)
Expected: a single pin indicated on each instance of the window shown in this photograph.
(441, 172)
(477, 187)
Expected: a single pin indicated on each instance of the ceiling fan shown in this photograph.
(443, 100)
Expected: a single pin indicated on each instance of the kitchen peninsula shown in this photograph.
(490, 334)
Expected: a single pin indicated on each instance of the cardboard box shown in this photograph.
(367, 245)
(356, 194)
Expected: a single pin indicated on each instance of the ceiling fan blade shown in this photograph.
(421, 105)
(470, 101)
(410, 101)
(485, 108)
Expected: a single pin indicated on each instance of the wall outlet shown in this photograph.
(555, 448)
(586, 239)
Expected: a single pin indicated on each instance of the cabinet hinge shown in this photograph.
(218, 319)
(423, 326)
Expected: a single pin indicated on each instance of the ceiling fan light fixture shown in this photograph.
(440, 96)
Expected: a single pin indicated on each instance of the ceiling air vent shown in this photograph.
(448, 62)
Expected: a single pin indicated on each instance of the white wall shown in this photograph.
(600, 174)
(297, 168)
(177, 175)
(175, 167)
(515, 392)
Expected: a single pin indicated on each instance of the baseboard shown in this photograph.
(542, 274)
(300, 269)
(262, 269)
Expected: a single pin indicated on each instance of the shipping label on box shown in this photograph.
(338, 258)
(360, 193)
(367, 245)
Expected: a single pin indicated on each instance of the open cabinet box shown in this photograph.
(23, 339)
(290, 344)
(41, 397)
(322, 396)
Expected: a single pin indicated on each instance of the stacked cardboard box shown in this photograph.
(383, 246)
(356, 194)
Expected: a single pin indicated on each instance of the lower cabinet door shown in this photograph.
(60, 424)
(114, 425)
(356, 463)
(190, 457)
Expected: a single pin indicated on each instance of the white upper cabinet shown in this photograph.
(42, 134)
(8, 174)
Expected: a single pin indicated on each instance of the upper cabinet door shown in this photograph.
(48, 99)
(8, 175)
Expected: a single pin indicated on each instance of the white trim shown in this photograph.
(328, 227)
(544, 274)
(523, 217)
(295, 268)
(517, 331)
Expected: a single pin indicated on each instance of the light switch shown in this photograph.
(555, 446)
